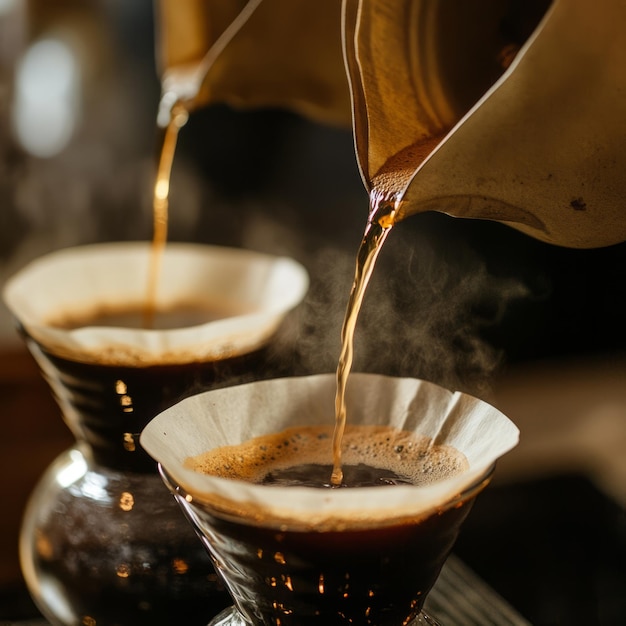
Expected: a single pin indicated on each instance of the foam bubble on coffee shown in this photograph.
(406, 454)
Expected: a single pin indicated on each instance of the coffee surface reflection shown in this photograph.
(316, 475)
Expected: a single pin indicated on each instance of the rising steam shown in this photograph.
(423, 315)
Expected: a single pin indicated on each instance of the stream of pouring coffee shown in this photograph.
(383, 208)
(160, 206)
(174, 108)
(385, 199)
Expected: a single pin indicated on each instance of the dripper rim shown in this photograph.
(319, 507)
(287, 282)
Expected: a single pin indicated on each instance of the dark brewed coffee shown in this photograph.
(317, 475)
(377, 576)
(112, 550)
(297, 572)
(181, 316)
(112, 403)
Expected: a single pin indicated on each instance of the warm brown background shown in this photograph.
(272, 181)
(33, 434)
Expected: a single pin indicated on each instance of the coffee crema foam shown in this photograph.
(404, 453)
(119, 354)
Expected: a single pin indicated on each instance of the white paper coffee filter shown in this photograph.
(232, 415)
(260, 290)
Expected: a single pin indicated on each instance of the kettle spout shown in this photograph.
(542, 149)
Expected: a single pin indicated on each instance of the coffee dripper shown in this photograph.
(302, 555)
(506, 111)
(101, 541)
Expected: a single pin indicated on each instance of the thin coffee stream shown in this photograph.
(386, 192)
(160, 204)
(177, 100)
(383, 209)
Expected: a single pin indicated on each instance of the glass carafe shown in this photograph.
(102, 542)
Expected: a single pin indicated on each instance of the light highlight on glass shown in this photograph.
(46, 103)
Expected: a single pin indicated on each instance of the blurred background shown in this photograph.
(536, 329)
